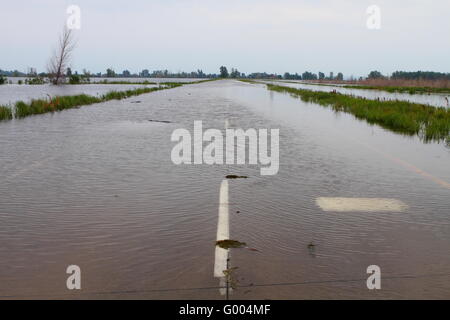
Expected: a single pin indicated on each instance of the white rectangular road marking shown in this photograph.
(223, 231)
(361, 204)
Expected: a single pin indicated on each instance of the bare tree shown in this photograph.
(60, 60)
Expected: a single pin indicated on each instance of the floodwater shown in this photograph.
(157, 80)
(11, 93)
(435, 99)
(15, 80)
(96, 187)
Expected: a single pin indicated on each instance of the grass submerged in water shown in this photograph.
(5, 113)
(386, 85)
(430, 123)
(40, 106)
(410, 90)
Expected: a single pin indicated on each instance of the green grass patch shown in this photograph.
(35, 81)
(40, 106)
(391, 89)
(410, 90)
(5, 113)
(430, 123)
(59, 103)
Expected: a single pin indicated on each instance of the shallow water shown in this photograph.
(96, 187)
(157, 80)
(11, 93)
(15, 80)
(436, 99)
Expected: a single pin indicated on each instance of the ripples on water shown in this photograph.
(96, 187)
(9, 94)
(436, 100)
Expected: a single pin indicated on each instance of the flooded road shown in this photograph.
(96, 187)
(436, 99)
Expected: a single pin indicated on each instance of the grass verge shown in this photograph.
(410, 90)
(391, 89)
(40, 106)
(430, 123)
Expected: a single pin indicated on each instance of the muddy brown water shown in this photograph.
(96, 187)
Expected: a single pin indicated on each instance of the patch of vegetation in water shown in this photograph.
(3, 79)
(5, 113)
(227, 244)
(231, 278)
(391, 89)
(40, 106)
(430, 123)
(79, 79)
(410, 90)
(35, 81)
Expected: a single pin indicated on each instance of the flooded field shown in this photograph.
(436, 99)
(96, 187)
(9, 94)
(15, 80)
(14, 92)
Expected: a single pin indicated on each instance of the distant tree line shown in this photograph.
(235, 73)
(14, 73)
(425, 75)
(223, 73)
(406, 75)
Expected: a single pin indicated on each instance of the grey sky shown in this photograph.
(251, 35)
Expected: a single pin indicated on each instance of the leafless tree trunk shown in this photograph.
(60, 60)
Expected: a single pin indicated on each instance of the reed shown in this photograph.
(430, 123)
(5, 113)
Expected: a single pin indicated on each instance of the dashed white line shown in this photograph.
(223, 231)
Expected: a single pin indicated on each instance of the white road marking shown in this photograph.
(361, 204)
(223, 231)
(223, 286)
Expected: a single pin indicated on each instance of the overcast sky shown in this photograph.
(251, 35)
